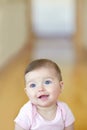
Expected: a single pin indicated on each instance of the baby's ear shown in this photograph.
(61, 85)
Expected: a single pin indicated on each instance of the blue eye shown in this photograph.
(47, 82)
(33, 85)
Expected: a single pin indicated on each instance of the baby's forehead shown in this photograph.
(47, 68)
(42, 71)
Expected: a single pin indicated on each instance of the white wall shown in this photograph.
(13, 30)
(54, 17)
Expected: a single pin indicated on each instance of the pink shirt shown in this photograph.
(29, 119)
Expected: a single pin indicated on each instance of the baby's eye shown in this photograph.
(33, 85)
(47, 82)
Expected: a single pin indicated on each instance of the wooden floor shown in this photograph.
(12, 95)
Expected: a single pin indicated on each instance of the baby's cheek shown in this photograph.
(56, 92)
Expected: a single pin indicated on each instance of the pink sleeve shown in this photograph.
(69, 117)
(23, 118)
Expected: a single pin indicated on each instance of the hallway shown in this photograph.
(17, 31)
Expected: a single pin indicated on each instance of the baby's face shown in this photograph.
(43, 87)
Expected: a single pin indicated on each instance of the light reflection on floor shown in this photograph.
(59, 50)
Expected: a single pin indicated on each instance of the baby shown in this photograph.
(43, 111)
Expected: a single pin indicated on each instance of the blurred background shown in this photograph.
(54, 29)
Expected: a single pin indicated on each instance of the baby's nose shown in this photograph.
(41, 88)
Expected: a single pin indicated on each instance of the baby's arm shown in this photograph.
(70, 127)
(17, 127)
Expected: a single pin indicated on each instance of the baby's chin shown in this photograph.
(41, 104)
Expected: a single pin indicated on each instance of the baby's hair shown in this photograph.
(38, 63)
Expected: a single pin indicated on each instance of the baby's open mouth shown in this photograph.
(43, 96)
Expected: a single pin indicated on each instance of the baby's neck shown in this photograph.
(47, 113)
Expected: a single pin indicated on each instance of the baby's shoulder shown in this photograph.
(26, 107)
(62, 105)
